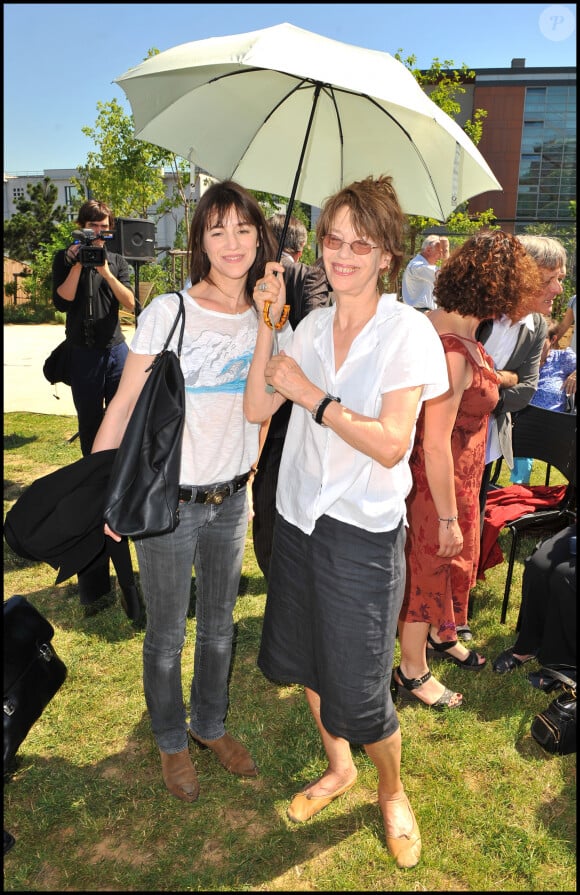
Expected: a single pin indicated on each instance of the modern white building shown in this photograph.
(15, 187)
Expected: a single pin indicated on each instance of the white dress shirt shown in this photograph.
(500, 346)
(320, 474)
(418, 283)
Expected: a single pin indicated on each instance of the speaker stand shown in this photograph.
(136, 265)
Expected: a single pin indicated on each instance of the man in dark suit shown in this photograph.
(306, 289)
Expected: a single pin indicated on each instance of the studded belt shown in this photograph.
(214, 494)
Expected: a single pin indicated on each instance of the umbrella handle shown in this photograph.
(275, 327)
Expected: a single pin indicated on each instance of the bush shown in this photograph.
(31, 313)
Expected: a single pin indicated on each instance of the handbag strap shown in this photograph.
(180, 313)
(562, 677)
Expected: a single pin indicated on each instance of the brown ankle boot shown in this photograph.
(232, 755)
(179, 775)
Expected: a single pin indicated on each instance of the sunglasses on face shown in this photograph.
(359, 246)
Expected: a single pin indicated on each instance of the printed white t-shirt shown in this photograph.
(218, 442)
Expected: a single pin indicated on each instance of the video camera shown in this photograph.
(90, 255)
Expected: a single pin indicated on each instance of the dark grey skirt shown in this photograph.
(330, 621)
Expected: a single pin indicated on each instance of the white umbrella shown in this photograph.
(293, 113)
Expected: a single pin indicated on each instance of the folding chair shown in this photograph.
(551, 437)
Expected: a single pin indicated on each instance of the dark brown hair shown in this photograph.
(489, 275)
(375, 214)
(94, 211)
(211, 211)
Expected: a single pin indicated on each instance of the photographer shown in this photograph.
(90, 297)
(89, 284)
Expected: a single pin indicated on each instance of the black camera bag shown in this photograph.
(33, 672)
(57, 365)
(555, 728)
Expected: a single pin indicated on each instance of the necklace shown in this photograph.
(231, 298)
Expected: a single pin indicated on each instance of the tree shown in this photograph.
(35, 222)
(126, 173)
(39, 284)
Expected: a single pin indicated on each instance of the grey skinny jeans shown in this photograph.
(210, 539)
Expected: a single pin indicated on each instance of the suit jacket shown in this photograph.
(525, 361)
(306, 289)
(59, 518)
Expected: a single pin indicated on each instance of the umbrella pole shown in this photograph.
(298, 171)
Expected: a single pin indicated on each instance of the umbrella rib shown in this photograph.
(333, 91)
(340, 132)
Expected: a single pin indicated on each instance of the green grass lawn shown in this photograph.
(89, 810)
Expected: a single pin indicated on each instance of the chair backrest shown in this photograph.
(546, 435)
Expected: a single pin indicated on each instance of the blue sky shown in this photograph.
(61, 60)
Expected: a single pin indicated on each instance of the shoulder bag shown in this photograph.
(33, 672)
(57, 366)
(555, 728)
(143, 493)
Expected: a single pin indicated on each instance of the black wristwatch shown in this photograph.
(318, 409)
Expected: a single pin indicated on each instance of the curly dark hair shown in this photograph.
(489, 275)
(376, 214)
(211, 210)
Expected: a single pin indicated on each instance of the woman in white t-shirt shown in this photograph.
(229, 243)
(357, 374)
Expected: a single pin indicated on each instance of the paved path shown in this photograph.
(26, 347)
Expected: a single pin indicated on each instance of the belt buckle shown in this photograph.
(217, 496)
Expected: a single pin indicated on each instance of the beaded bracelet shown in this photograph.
(283, 316)
(447, 519)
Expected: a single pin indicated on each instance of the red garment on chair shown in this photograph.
(505, 504)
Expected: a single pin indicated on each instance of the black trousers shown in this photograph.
(548, 610)
(96, 582)
(264, 500)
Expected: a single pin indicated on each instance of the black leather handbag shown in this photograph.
(57, 366)
(143, 493)
(555, 728)
(33, 672)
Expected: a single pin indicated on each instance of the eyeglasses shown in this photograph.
(359, 246)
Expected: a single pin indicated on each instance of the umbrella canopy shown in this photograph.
(290, 112)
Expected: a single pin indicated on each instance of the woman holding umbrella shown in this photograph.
(357, 374)
(229, 243)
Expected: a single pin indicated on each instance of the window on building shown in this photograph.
(547, 175)
(71, 195)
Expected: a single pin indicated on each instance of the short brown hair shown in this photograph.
(376, 214)
(91, 210)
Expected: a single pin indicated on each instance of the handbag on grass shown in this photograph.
(57, 365)
(555, 728)
(33, 672)
(143, 492)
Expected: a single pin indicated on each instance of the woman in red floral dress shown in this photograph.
(487, 276)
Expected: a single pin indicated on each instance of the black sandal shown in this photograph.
(506, 661)
(404, 691)
(471, 663)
